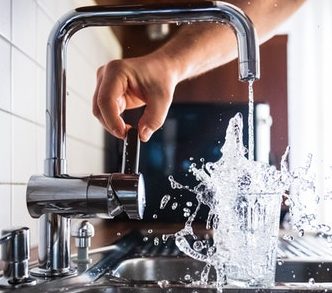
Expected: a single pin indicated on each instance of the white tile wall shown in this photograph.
(24, 30)
(5, 215)
(81, 155)
(24, 143)
(5, 18)
(4, 74)
(87, 76)
(5, 147)
(24, 25)
(43, 25)
(24, 85)
(41, 95)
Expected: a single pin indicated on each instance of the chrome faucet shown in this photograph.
(56, 196)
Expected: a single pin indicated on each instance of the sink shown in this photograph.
(178, 270)
(135, 265)
(163, 268)
(304, 265)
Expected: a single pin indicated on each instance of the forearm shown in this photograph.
(200, 47)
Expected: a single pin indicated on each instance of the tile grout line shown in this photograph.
(85, 142)
(21, 51)
(13, 183)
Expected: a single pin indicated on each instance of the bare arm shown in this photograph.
(200, 47)
(151, 80)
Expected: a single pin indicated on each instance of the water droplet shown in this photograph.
(165, 237)
(174, 184)
(252, 282)
(311, 281)
(301, 233)
(294, 276)
(163, 283)
(164, 201)
(186, 210)
(155, 216)
(191, 159)
(150, 231)
(198, 245)
(156, 241)
(174, 206)
(288, 237)
(189, 204)
(145, 239)
(118, 234)
(187, 278)
(211, 251)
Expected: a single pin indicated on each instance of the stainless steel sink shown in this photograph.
(135, 265)
(304, 265)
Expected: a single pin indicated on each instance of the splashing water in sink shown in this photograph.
(244, 198)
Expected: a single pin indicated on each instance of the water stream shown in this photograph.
(251, 138)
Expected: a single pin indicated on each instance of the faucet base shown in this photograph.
(7, 283)
(49, 273)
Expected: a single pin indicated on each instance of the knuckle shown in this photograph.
(114, 66)
(100, 70)
(100, 101)
(155, 123)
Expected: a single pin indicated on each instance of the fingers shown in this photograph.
(120, 87)
(109, 102)
(153, 117)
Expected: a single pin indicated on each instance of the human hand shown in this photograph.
(131, 83)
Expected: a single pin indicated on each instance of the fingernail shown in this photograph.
(146, 134)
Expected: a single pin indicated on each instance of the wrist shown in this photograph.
(173, 66)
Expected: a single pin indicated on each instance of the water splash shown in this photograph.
(238, 192)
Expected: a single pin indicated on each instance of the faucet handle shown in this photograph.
(129, 184)
(131, 149)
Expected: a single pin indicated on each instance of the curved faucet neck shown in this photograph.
(55, 163)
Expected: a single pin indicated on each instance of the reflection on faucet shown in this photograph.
(57, 196)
